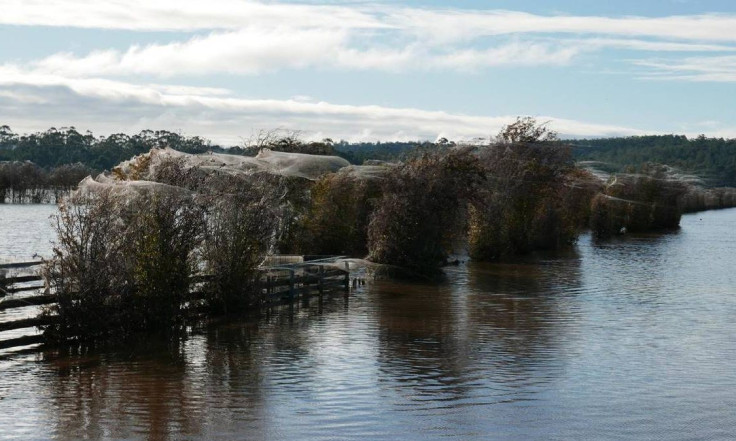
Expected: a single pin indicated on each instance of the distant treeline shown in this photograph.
(67, 145)
(713, 159)
(39, 167)
(26, 182)
(358, 153)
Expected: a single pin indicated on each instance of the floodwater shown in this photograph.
(630, 339)
(25, 231)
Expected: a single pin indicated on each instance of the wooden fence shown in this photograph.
(279, 285)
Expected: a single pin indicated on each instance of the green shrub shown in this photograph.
(241, 219)
(122, 263)
(638, 202)
(340, 209)
(422, 209)
(530, 202)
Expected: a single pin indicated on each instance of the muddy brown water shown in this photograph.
(629, 339)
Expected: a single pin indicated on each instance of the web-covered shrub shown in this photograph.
(242, 217)
(122, 262)
(340, 209)
(422, 210)
(637, 202)
(529, 201)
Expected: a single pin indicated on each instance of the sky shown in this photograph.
(369, 71)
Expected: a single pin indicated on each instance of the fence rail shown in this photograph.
(29, 264)
(280, 284)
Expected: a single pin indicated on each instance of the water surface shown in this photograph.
(25, 230)
(629, 339)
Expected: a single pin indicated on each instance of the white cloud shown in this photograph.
(453, 25)
(698, 69)
(648, 45)
(431, 24)
(179, 15)
(106, 106)
(512, 54)
(252, 37)
(246, 51)
(255, 50)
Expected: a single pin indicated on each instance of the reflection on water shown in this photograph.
(630, 339)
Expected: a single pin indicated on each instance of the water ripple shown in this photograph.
(628, 339)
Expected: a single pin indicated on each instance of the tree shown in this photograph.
(340, 209)
(534, 198)
(643, 201)
(422, 209)
(526, 130)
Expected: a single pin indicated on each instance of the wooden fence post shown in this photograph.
(291, 285)
(320, 279)
(347, 276)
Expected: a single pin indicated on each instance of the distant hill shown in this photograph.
(713, 159)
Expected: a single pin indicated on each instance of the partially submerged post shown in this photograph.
(291, 285)
(347, 277)
(320, 279)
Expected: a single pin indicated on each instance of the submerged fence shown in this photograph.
(285, 279)
(17, 292)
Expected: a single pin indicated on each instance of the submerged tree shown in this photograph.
(241, 221)
(648, 200)
(132, 246)
(88, 268)
(122, 263)
(22, 182)
(522, 207)
(340, 209)
(533, 194)
(422, 209)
